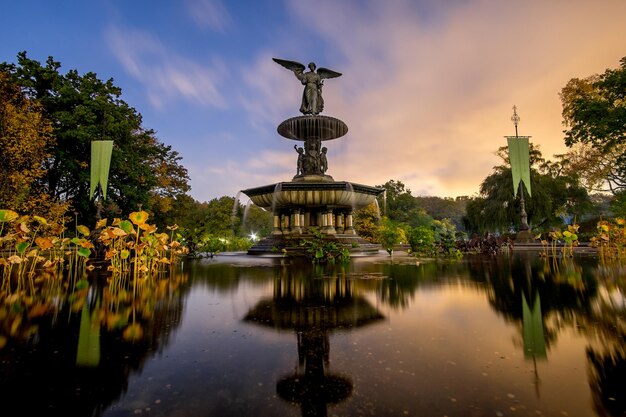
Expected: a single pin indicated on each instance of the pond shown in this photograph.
(512, 335)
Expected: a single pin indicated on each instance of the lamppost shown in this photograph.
(523, 215)
(520, 170)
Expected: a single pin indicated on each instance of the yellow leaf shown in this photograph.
(83, 230)
(40, 220)
(138, 217)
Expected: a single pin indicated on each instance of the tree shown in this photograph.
(82, 108)
(366, 222)
(400, 206)
(25, 137)
(594, 113)
(556, 196)
(444, 208)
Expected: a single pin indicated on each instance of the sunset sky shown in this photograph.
(427, 88)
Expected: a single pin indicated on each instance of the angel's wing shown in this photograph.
(326, 73)
(290, 65)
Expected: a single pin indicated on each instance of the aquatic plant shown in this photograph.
(610, 239)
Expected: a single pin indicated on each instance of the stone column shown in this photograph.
(276, 230)
(324, 222)
(330, 217)
(349, 230)
(297, 228)
(286, 225)
(339, 222)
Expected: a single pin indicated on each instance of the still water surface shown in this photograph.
(515, 335)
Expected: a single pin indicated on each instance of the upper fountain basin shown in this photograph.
(312, 127)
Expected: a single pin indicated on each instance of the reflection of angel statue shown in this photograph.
(312, 101)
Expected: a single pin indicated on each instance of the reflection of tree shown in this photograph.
(607, 377)
(313, 303)
(573, 293)
(40, 375)
(605, 327)
(564, 289)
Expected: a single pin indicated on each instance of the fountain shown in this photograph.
(312, 200)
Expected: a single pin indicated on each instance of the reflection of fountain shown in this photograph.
(313, 308)
(312, 199)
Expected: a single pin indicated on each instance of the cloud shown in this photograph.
(208, 14)
(428, 101)
(166, 75)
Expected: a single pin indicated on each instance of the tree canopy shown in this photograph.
(594, 114)
(556, 197)
(25, 138)
(81, 109)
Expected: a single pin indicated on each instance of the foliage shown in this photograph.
(565, 240)
(444, 208)
(618, 204)
(594, 113)
(555, 196)
(320, 250)
(366, 222)
(25, 137)
(422, 241)
(611, 239)
(488, 244)
(597, 169)
(400, 206)
(445, 236)
(390, 234)
(30, 244)
(82, 108)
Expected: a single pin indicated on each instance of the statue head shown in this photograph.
(312, 66)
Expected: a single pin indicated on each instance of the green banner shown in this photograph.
(519, 155)
(101, 151)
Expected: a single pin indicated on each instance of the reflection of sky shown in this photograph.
(449, 353)
(427, 90)
(446, 353)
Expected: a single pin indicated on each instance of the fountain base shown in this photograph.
(310, 205)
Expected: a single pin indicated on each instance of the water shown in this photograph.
(514, 335)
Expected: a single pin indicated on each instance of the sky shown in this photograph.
(427, 86)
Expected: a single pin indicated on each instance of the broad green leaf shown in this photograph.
(85, 252)
(126, 226)
(8, 216)
(21, 247)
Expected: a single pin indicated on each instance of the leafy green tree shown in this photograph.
(366, 222)
(594, 113)
(25, 137)
(82, 108)
(390, 234)
(400, 206)
(422, 240)
(255, 220)
(444, 208)
(555, 196)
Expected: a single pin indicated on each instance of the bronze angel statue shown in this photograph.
(312, 101)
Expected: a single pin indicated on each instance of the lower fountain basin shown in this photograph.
(311, 194)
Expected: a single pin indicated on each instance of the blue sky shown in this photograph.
(427, 88)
